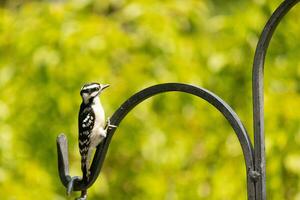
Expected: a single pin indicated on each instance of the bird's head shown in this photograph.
(91, 90)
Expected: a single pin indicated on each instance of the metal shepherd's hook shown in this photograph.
(254, 157)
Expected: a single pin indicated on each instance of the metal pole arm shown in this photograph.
(132, 102)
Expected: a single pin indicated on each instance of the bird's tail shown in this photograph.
(85, 176)
(85, 169)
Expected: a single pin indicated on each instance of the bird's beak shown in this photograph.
(104, 86)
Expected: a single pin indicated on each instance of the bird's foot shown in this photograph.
(109, 125)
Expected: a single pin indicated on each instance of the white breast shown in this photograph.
(98, 132)
(99, 114)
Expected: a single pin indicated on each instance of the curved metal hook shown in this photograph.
(139, 97)
(258, 92)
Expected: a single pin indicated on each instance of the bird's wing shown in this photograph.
(86, 120)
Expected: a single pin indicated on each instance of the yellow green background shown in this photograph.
(171, 147)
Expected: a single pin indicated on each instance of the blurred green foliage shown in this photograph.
(173, 146)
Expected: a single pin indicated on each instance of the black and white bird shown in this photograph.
(91, 125)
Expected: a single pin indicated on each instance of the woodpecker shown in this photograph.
(91, 125)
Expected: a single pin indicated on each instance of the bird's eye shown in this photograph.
(94, 89)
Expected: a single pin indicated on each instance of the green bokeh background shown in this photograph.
(173, 146)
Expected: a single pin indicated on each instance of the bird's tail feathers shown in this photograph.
(85, 169)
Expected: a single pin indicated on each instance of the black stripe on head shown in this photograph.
(90, 87)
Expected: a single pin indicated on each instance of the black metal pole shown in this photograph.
(258, 94)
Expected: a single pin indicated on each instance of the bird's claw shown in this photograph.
(109, 125)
